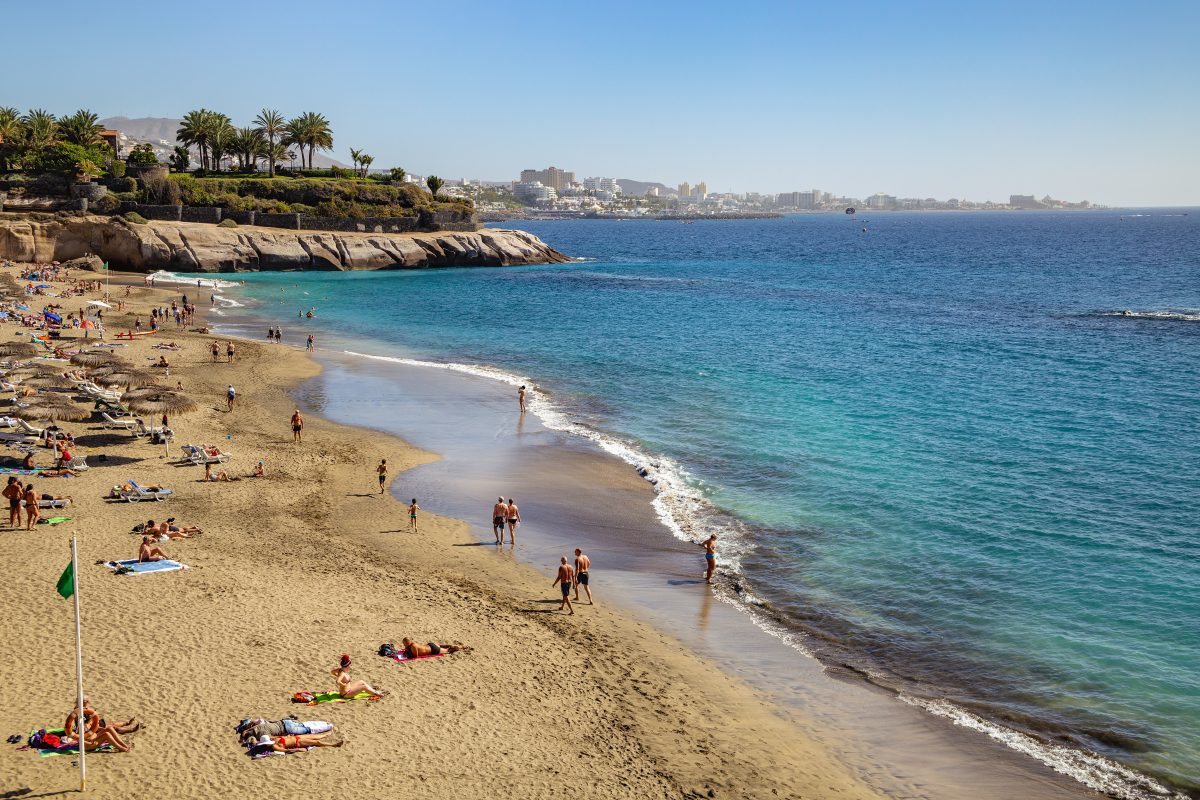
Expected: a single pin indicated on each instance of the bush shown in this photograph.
(142, 156)
(62, 158)
(133, 217)
(227, 223)
(117, 168)
(105, 205)
(161, 192)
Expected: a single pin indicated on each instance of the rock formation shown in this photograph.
(187, 247)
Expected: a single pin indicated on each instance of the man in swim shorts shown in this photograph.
(565, 577)
(710, 557)
(297, 426)
(382, 470)
(499, 514)
(254, 728)
(414, 650)
(14, 493)
(582, 565)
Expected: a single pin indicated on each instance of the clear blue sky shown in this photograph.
(1094, 100)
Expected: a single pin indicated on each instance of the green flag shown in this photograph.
(105, 265)
(66, 582)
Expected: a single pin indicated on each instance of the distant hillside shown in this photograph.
(639, 188)
(155, 129)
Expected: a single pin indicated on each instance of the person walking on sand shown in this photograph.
(229, 350)
(297, 426)
(413, 508)
(216, 352)
(565, 578)
(514, 519)
(582, 565)
(499, 515)
(710, 557)
(230, 396)
(14, 493)
(346, 687)
(521, 398)
(381, 470)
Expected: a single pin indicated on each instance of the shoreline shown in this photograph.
(1014, 759)
(272, 597)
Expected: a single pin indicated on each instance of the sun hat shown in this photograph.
(265, 740)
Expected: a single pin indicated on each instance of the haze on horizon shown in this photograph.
(1078, 100)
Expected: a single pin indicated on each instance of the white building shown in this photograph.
(534, 192)
(602, 185)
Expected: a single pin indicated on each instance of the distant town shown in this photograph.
(555, 192)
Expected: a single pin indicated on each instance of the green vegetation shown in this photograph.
(142, 156)
(133, 217)
(227, 223)
(435, 184)
(37, 142)
(322, 196)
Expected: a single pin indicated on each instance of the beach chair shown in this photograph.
(78, 463)
(29, 430)
(203, 455)
(54, 503)
(137, 493)
(125, 424)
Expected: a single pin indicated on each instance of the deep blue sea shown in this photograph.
(958, 451)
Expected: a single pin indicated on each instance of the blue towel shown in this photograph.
(139, 567)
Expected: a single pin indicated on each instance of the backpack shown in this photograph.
(303, 697)
(387, 650)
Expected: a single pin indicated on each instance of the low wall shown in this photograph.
(199, 214)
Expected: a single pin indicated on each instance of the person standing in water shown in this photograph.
(413, 508)
(499, 515)
(382, 471)
(521, 398)
(514, 519)
(565, 578)
(312, 343)
(710, 557)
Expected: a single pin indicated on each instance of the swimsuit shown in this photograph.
(434, 650)
(708, 556)
(566, 587)
(582, 577)
(497, 522)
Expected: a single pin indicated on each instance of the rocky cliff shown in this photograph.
(207, 248)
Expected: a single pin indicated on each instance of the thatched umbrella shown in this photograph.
(126, 376)
(51, 407)
(46, 381)
(97, 358)
(158, 400)
(17, 350)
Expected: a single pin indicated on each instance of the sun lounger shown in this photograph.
(79, 464)
(124, 424)
(204, 455)
(134, 567)
(28, 429)
(54, 503)
(137, 493)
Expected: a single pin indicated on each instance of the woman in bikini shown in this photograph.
(346, 687)
(514, 518)
(292, 742)
(32, 512)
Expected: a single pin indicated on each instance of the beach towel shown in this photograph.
(65, 750)
(134, 567)
(334, 697)
(403, 658)
(54, 520)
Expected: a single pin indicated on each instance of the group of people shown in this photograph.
(572, 577)
(505, 514)
(27, 496)
(97, 731)
(230, 351)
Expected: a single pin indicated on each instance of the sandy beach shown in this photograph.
(310, 562)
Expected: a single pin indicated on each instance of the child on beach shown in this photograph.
(413, 508)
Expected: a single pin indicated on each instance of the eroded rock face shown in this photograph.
(189, 247)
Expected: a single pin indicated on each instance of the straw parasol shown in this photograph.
(51, 407)
(97, 358)
(41, 380)
(126, 376)
(158, 400)
(17, 350)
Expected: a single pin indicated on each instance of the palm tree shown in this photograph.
(309, 130)
(365, 160)
(398, 174)
(435, 184)
(81, 128)
(11, 130)
(41, 128)
(220, 138)
(271, 125)
(355, 156)
(275, 153)
(247, 144)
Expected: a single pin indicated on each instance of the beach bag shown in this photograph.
(303, 697)
(387, 650)
(141, 526)
(35, 740)
(51, 741)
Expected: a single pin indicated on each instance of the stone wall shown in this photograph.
(425, 221)
(200, 214)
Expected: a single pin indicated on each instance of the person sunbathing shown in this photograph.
(221, 475)
(64, 472)
(171, 531)
(291, 743)
(249, 730)
(147, 553)
(54, 497)
(259, 471)
(162, 362)
(96, 731)
(346, 687)
(414, 650)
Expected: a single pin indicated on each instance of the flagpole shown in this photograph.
(81, 724)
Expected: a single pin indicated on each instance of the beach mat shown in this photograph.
(403, 659)
(136, 567)
(70, 750)
(334, 697)
(54, 520)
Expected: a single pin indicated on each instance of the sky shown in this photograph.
(1080, 100)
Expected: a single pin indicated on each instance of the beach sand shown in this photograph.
(312, 561)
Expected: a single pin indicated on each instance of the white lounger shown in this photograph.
(198, 455)
(137, 493)
(125, 424)
(54, 503)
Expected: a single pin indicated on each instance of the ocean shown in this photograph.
(953, 453)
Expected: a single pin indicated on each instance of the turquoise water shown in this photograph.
(939, 446)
